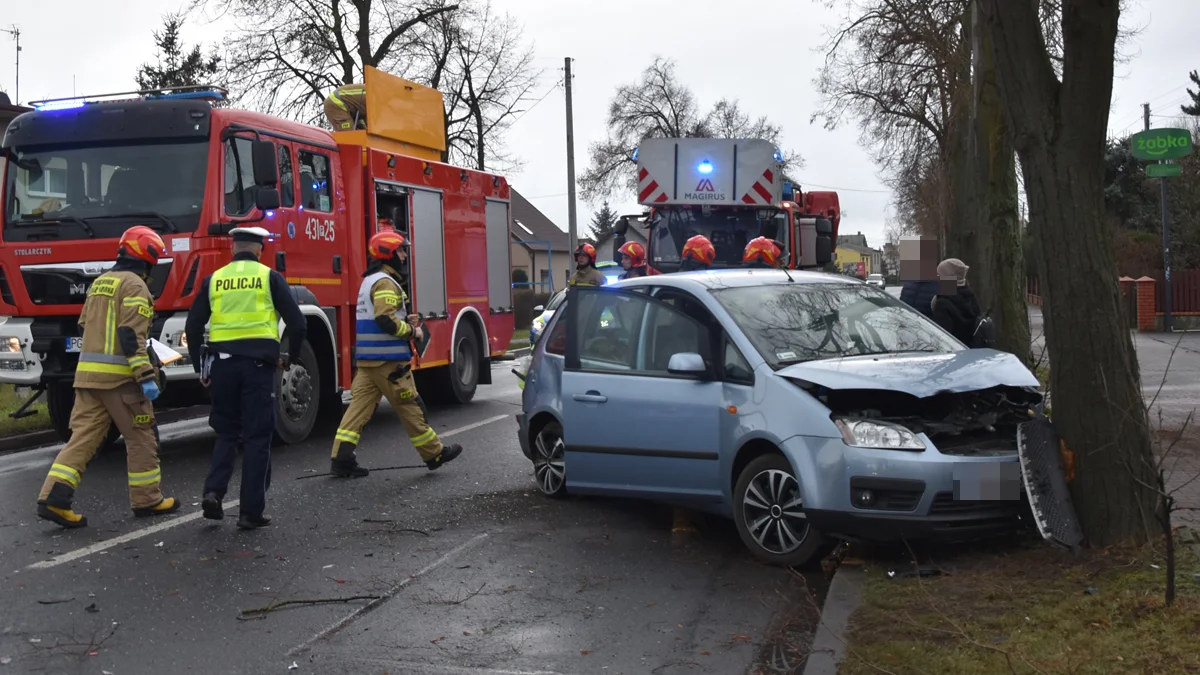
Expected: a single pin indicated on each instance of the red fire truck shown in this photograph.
(731, 191)
(78, 172)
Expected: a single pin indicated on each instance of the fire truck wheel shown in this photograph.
(463, 374)
(60, 398)
(298, 397)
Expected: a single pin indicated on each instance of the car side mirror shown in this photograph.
(266, 167)
(621, 226)
(266, 198)
(539, 308)
(686, 363)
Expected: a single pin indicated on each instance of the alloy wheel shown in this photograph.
(773, 512)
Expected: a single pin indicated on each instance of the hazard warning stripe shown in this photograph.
(760, 190)
(766, 194)
(647, 191)
(650, 189)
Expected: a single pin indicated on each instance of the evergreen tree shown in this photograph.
(1194, 107)
(603, 222)
(177, 65)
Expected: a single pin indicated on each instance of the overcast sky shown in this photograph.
(758, 51)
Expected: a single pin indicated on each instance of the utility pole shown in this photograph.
(571, 231)
(1166, 239)
(16, 33)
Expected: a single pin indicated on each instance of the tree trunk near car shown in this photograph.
(1060, 129)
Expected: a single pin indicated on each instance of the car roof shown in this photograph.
(734, 278)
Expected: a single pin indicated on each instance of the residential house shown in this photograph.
(859, 239)
(606, 248)
(848, 257)
(539, 247)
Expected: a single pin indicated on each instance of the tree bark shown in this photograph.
(1059, 133)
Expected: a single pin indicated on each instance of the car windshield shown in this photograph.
(729, 229)
(95, 191)
(797, 322)
(875, 277)
(557, 300)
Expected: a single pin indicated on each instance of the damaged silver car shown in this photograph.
(807, 407)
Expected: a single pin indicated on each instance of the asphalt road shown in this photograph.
(476, 573)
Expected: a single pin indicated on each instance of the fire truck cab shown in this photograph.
(78, 172)
(731, 191)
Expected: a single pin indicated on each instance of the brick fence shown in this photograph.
(1142, 302)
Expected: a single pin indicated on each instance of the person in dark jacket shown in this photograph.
(919, 294)
(958, 313)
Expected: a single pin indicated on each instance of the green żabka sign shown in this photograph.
(1153, 144)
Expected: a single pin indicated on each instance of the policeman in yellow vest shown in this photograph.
(114, 384)
(244, 301)
(346, 107)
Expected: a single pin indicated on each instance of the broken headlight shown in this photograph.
(861, 433)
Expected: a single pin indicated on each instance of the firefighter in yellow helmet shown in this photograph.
(115, 383)
(382, 353)
(346, 107)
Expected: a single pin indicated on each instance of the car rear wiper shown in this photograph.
(170, 225)
(83, 225)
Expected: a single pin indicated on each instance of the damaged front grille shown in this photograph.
(977, 423)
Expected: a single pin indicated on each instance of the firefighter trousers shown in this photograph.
(94, 411)
(395, 382)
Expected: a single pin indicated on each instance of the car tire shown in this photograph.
(763, 520)
(549, 460)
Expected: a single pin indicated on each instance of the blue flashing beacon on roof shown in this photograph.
(705, 167)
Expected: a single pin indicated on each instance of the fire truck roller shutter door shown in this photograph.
(428, 253)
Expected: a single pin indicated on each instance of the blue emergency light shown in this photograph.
(635, 151)
(59, 105)
(788, 192)
(705, 167)
(779, 156)
(207, 93)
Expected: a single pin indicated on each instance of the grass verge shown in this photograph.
(1030, 609)
(10, 400)
(520, 338)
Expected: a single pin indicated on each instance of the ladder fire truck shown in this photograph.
(78, 172)
(731, 191)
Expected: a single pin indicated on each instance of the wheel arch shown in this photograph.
(477, 320)
(540, 420)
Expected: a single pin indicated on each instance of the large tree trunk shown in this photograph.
(998, 248)
(1060, 130)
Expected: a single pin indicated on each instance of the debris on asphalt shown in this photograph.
(54, 602)
(160, 544)
(259, 612)
(294, 666)
(5, 660)
(92, 608)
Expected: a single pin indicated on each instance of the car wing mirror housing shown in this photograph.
(686, 363)
(539, 308)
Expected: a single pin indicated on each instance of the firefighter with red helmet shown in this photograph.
(586, 273)
(633, 259)
(762, 252)
(115, 383)
(383, 354)
(698, 254)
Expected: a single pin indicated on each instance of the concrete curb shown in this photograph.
(829, 646)
(520, 351)
(28, 441)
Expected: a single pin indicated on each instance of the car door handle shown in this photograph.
(590, 397)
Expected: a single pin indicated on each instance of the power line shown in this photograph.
(535, 104)
(805, 183)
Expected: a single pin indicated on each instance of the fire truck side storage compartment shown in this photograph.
(428, 251)
(498, 252)
(807, 236)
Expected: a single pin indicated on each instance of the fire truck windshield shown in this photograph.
(99, 191)
(729, 229)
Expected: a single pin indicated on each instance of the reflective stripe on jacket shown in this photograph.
(117, 299)
(371, 343)
(240, 296)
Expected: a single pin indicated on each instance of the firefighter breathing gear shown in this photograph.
(633, 259)
(242, 302)
(762, 252)
(698, 254)
(346, 107)
(586, 273)
(110, 386)
(383, 354)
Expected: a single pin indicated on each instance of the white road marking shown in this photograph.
(128, 536)
(427, 668)
(346, 620)
(174, 522)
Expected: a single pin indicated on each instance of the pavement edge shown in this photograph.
(829, 642)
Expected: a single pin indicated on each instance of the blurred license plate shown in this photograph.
(987, 481)
(74, 344)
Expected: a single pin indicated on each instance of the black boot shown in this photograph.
(246, 522)
(213, 510)
(448, 453)
(345, 463)
(56, 507)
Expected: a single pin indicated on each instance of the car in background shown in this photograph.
(807, 407)
(876, 280)
(544, 313)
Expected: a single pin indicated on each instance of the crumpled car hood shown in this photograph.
(918, 374)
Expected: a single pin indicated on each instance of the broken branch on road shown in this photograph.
(260, 612)
(385, 468)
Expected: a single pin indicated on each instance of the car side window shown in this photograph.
(736, 368)
(667, 332)
(287, 187)
(556, 341)
(608, 330)
(239, 177)
(315, 193)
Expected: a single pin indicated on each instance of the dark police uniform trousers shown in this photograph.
(243, 415)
